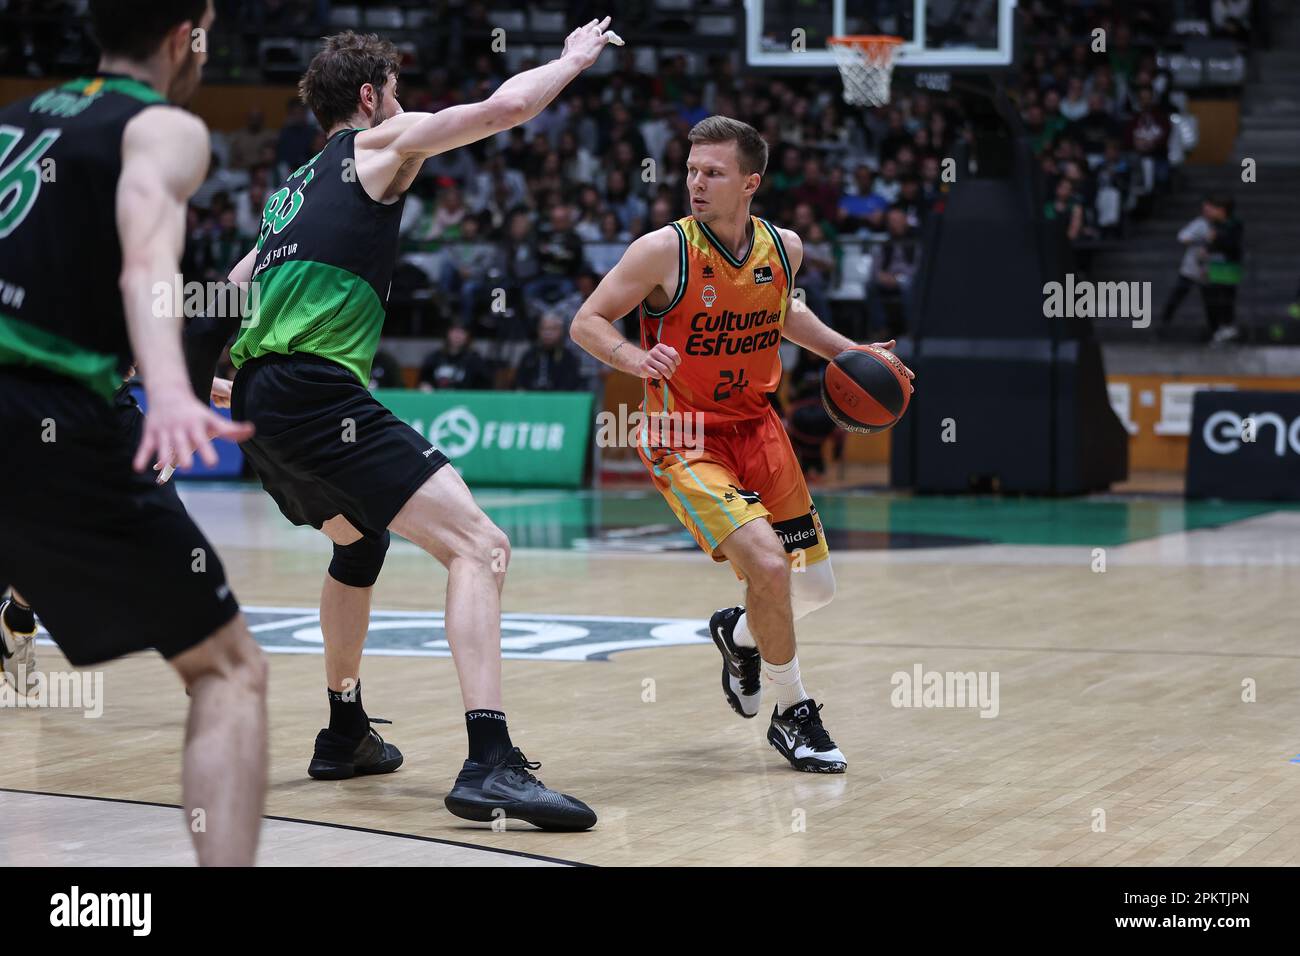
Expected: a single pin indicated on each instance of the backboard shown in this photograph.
(938, 35)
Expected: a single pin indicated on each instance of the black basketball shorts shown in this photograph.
(110, 561)
(325, 446)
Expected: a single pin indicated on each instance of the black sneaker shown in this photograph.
(338, 757)
(798, 735)
(740, 665)
(487, 792)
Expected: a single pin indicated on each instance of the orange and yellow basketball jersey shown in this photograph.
(725, 322)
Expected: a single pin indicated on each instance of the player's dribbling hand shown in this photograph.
(584, 44)
(659, 363)
(177, 426)
(889, 347)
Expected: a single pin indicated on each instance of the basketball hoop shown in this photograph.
(866, 63)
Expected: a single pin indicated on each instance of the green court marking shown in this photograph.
(597, 520)
(1099, 522)
(1096, 522)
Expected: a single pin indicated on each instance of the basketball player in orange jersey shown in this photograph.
(714, 290)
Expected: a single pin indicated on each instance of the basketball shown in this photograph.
(866, 389)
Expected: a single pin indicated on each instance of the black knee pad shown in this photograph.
(358, 564)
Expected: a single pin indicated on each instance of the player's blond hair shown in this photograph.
(750, 146)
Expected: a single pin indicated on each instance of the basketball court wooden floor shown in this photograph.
(1144, 714)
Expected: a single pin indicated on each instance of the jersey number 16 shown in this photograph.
(20, 181)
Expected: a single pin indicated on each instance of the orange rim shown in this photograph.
(866, 42)
(878, 49)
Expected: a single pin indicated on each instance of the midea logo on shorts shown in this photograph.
(455, 431)
(1225, 431)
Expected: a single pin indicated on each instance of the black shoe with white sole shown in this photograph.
(741, 684)
(17, 650)
(798, 735)
(339, 758)
(506, 790)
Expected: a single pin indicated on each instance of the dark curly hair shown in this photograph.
(332, 84)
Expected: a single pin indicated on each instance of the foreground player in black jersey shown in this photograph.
(331, 455)
(204, 339)
(96, 177)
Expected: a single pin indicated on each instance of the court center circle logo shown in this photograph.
(455, 431)
(555, 637)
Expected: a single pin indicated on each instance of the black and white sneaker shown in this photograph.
(339, 758)
(741, 683)
(798, 735)
(488, 792)
(17, 653)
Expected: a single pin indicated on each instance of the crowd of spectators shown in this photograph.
(1108, 130)
(502, 238)
(527, 224)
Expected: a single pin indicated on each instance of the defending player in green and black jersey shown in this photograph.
(331, 455)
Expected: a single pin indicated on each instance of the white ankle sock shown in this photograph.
(784, 679)
(740, 634)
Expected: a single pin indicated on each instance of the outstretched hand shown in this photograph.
(177, 427)
(584, 44)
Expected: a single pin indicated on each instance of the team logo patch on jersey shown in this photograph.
(709, 295)
(762, 275)
(749, 497)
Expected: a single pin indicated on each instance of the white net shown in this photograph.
(867, 65)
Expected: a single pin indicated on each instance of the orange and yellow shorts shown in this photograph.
(738, 473)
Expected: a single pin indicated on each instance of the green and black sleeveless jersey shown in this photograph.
(325, 262)
(60, 257)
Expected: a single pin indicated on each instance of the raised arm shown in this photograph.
(164, 159)
(649, 263)
(516, 101)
